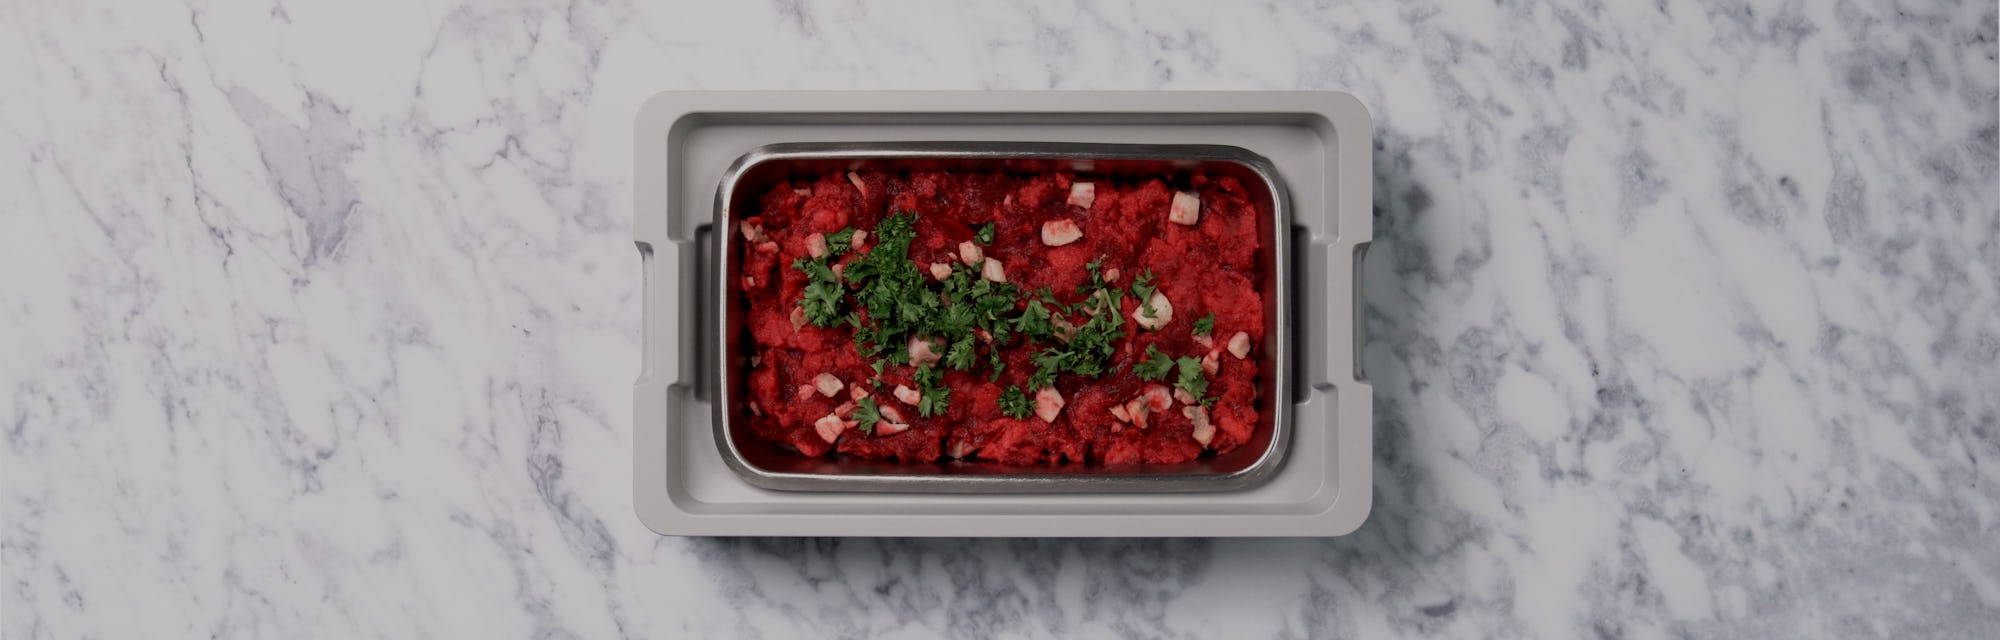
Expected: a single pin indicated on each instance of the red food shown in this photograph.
(1210, 267)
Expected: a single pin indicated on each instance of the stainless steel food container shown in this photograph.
(766, 464)
(692, 473)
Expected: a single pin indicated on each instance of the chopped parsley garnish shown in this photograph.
(961, 356)
(839, 241)
(1191, 380)
(1155, 365)
(1142, 290)
(823, 292)
(984, 235)
(1206, 325)
(1016, 404)
(937, 397)
(866, 414)
(1048, 362)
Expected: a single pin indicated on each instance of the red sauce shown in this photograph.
(1210, 267)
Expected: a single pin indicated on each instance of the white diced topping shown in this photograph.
(1111, 274)
(857, 392)
(1157, 398)
(959, 450)
(1209, 363)
(827, 384)
(756, 360)
(858, 184)
(970, 254)
(891, 414)
(756, 410)
(1203, 431)
(1082, 194)
(798, 317)
(921, 353)
(908, 396)
(1183, 396)
(1185, 210)
(838, 269)
(802, 191)
(1163, 312)
(940, 270)
(1118, 411)
(749, 282)
(1056, 233)
(1048, 403)
(860, 236)
(992, 270)
(1206, 342)
(806, 391)
(829, 427)
(1239, 345)
(767, 247)
(887, 428)
(816, 245)
(1137, 409)
(1065, 330)
(752, 232)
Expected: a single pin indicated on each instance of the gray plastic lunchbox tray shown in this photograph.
(1318, 145)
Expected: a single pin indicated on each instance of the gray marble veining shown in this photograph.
(320, 319)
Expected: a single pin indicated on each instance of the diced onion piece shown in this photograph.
(798, 317)
(1158, 398)
(752, 232)
(1118, 411)
(756, 410)
(1082, 194)
(1111, 274)
(857, 392)
(1183, 396)
(940, 270)
(992, 270)
(1163, 312)
(767, 247)
(1205, 341)
(816, 245)
(827, 384)
(1065, 330)
(1239, 345)
(1209, 363)
(860, 236)
(908, 396)
(886, 428)
(802, 191)
(1204, 432)
(921, 353)
(1048, 404)
(1137, 409)
(1185, 210)
(829, 427)
(806, 391)
(858, 184)
(891, 414)
(1056, 233)
(970, 254)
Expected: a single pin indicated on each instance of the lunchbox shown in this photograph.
(700, 157)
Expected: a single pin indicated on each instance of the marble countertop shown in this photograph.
(320, 319)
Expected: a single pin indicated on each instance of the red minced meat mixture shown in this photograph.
(1078, 242)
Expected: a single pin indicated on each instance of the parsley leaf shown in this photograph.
(1155, 365)
(866, 414)
(935, 402)
(1191, 380)
(1142, 290)
(961, 356)
(1015, 404)
(985, 234)
(1206, 325)
(1048, 362)
(838, 242)
(823, 292)
(937, 397)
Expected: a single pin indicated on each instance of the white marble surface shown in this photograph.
(319, 319)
